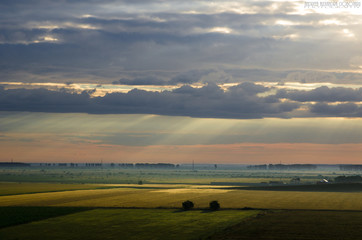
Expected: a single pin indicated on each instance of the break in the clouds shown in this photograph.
(127, 41)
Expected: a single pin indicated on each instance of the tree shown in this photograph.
(214, 205)
(187, 205)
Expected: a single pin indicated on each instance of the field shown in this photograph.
(171, 196)
(12, 188)
(10, 216)
(202, 175)
(129, 224)
(285, 225)
(106, 205)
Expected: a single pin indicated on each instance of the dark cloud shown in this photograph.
(102, 38)
(188, 77)
(338, 110)
(323, 94)
(245, 100)
(248, 88)
(209, 101)
(42, 100)
(141, 81)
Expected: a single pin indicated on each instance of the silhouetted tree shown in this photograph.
(187, 205)
(214, 205)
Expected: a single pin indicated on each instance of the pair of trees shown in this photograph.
(213, 205)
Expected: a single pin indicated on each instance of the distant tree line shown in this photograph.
(47, 164)
(155, 165)
(282, 167)
(350, 167)
(120, 165)
(137, 165)
(126, 165)
(93, 164)
(257, 167)
(131, 165)
(14, 164)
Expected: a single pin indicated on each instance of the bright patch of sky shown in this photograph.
(102, 89)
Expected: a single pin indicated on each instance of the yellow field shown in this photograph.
(10, 188)
(200, 195)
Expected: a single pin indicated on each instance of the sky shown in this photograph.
(246, 82)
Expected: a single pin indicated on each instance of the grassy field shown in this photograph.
(132, 176)
(10, 216)
(172, 197)
(55, 204)
(14, 188)
(323, 225)
(128, 224)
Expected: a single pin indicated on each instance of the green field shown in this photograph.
(286, 225)
(132, 176)
(129, 224)
(109, 204)
(10, 216)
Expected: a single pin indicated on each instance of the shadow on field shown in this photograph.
(198, 210)
(10, 216)
(296, 224)
(179, 211)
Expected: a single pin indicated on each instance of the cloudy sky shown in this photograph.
(175, 81)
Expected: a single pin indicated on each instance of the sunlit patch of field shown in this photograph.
(192, 191)
(172, 198)
(129, 224)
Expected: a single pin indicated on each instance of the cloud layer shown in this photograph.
(242, 101)
(128, 41)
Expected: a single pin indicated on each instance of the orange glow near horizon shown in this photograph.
(242, 153)
(36, 137)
